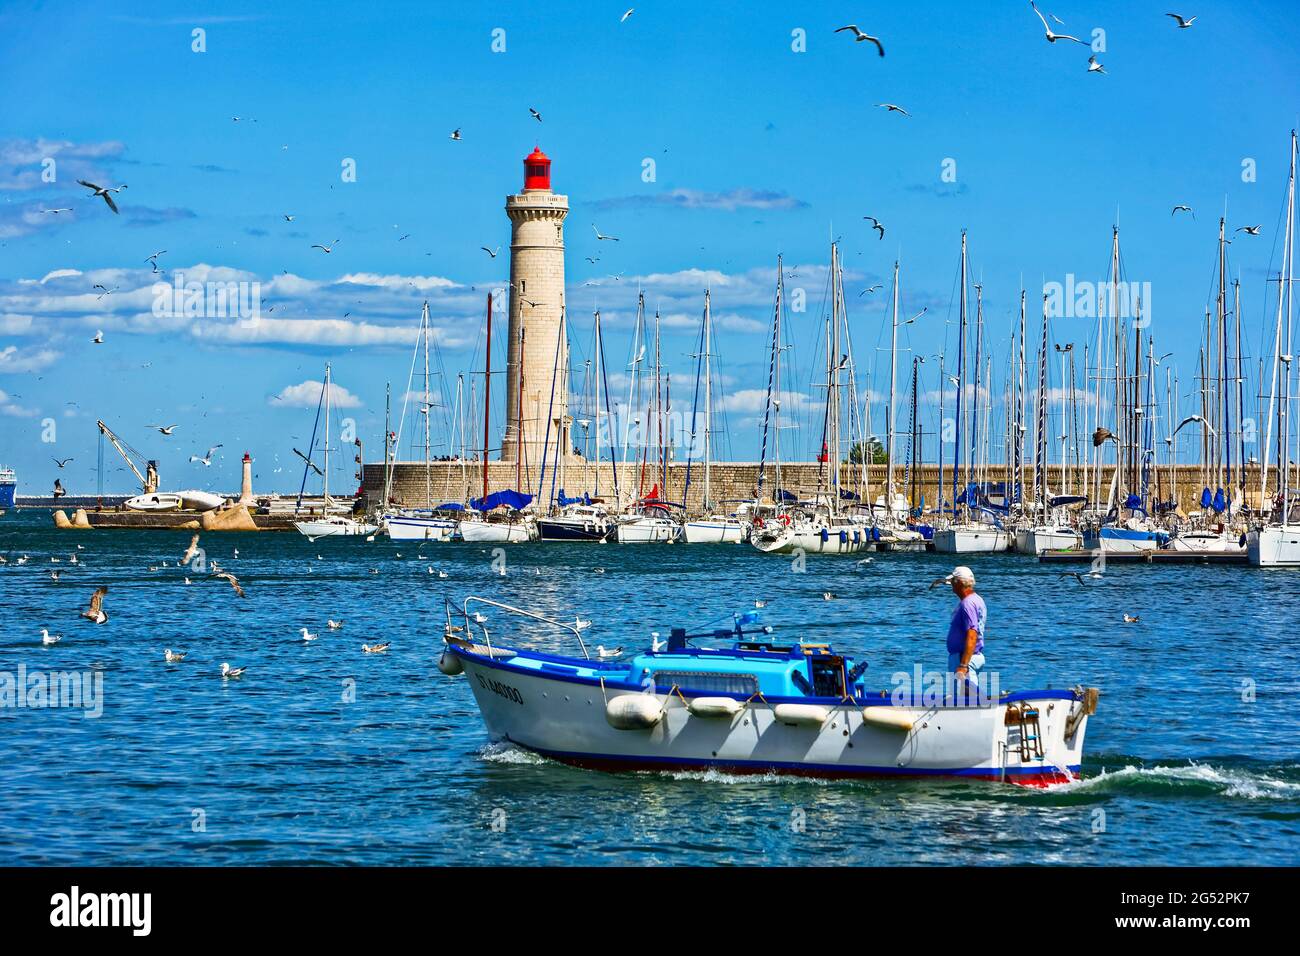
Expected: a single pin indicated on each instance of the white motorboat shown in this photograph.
(716, 529)
(334, 526)
(1207, 541)
(1274, 546)
(483, 531)
(758, 706)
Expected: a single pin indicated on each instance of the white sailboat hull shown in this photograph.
(333, 527)
(1206, 542)
(495, 532)
(1121, 540)
(418, 528)
(829, 539)
(648, 531)
(971, 540)
(715, 531)
(1274, 546)
(1047, 538)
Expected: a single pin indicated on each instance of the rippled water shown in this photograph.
(184, 768)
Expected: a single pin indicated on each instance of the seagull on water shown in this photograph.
(103, 192)
(333, 625)
(47, 638)
(307, 635)
(173, 657)
(580, 624)
(376, 648)
(1130, 618)
(605, 655)
(95, 612)
(860, 37)
(228, 671)
(1052, 37)
(760, 604)
(828, 595)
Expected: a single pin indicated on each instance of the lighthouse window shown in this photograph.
(536, 170)
(523, 286)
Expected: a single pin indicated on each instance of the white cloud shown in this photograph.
(12, 409)
(307, 395)
(14, 359)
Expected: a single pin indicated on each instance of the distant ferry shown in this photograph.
(8, 482)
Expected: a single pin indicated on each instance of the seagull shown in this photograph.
(760, 604)
(99, 337)
(442, 574)
(891, 107)
(327, 249)
(860, 37)
(54, 576)
(206, 459)
(479, 618)
(872, 289)
(1130, 618)
(164, 429)
(1249, 230)
(580, 624)
(865, 561)
(630, 11)
(1074, 574)
(603, 237)
(455, 134)
(289, 218)
(376, 648)
(1052, 37)
(333, 625)
(234, 583)
(1182, 208)
(103, 192)
(1094, 66)
(59, 210)
(228, 671)
(307, 635)
(534, 114)
(63, 462)
(47, 638)
(828, 596)
(173, 657)
(490, 252)
(95, 612)
(1183, 22)
(876, 225)
(106, 291)
(603, 654)
(190, 551)
(154, 259)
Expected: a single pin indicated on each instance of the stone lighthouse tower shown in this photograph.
(537, 379)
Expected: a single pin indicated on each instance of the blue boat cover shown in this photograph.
(1219, 502)
(510, 499)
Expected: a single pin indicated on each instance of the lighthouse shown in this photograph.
(537, 379)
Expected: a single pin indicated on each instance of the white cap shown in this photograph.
(961, 573)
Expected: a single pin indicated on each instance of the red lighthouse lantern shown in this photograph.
(537, 170)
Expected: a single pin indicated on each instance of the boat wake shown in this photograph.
(505, 752)
(1191, 779)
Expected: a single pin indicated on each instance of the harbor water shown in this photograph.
(322, 754)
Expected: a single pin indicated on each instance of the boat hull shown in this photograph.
(571, 531)
(648, 531)
(411, 528)
(335, 529)
(495, 532)
(564, 718)
(713, 532)
(837, 539)
(1121, 540)
(970, 540)
(1038, 540)
(1274, 546)
(1206, 543)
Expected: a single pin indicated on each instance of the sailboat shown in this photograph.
(816, 526)
(968, 535)
(479, 525)
(715, 528)
(335, 520)
(1275, 542)
(429, 524)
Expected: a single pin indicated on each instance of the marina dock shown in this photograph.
(1148, 557)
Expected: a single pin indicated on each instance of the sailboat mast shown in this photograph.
(326, 476)
(600, 372)
(428, 405)
(961, 374)
(487, 394)
(708, 401)
(889, 411)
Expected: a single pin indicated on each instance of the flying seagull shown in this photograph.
(327, 249)
(1249, 230)
(289, 218)
(872, 289)
(1052, 37)
(234, 583)
(191, 550)
(62, 463)
(154, 259)
(1182, 208)
(860, 37)
(875, 224)
(1095, 67)
(534, 114)
(894, 108)
(599, 236)
(103, 192)
(165, 429)
(206, 459)
(1183, 22)
(99, 337)
(624, 17)
(95, 612)
(491, 253)
(455, 134)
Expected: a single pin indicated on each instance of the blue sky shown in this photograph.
(758, 150)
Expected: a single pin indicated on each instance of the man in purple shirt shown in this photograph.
(966, 631)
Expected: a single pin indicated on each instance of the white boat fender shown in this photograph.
(715, 706)
(633, 711)
(802, 715)
(888, 718)
(449, 663)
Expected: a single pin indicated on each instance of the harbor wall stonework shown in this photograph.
(729, 481)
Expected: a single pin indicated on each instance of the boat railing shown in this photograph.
(573, 628)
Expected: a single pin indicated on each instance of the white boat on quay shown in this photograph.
(753, 705)
(330, 526)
